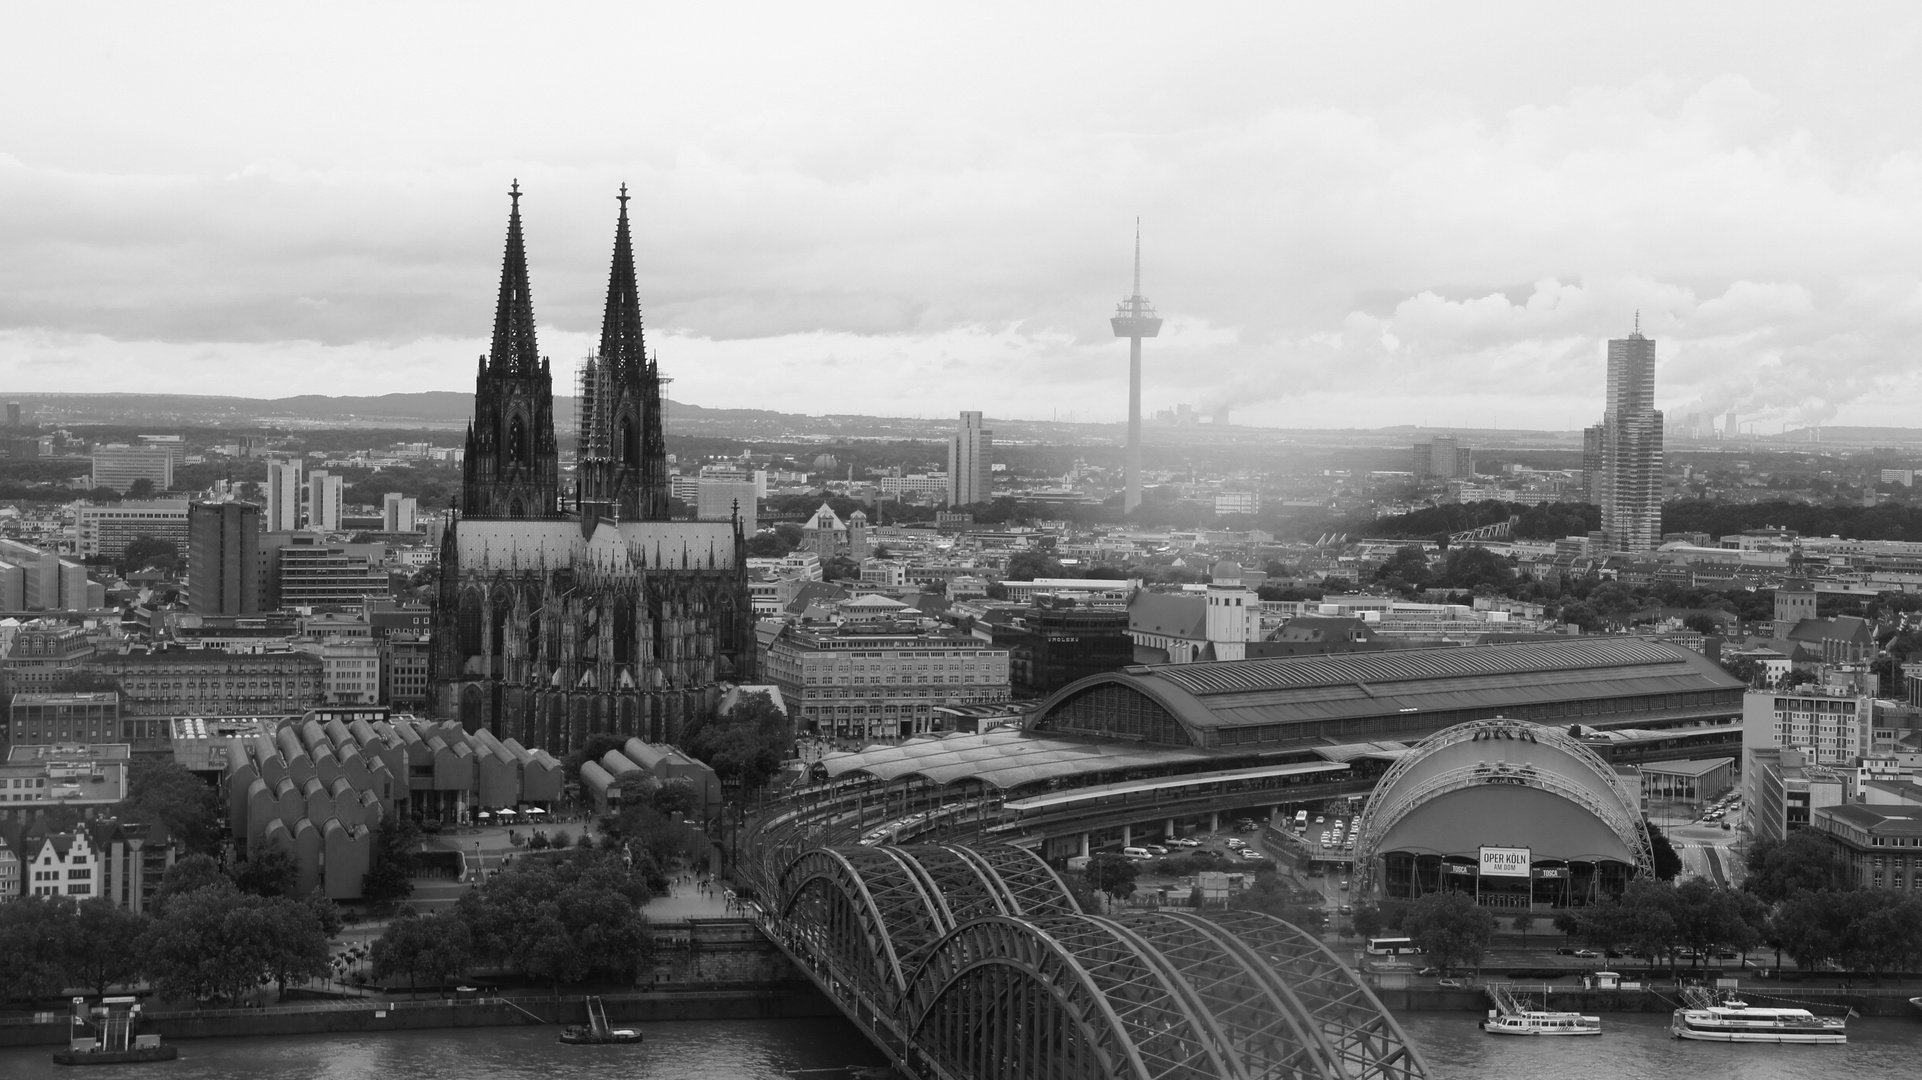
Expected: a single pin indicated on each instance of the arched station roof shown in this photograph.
(1390, 693)
(1502, 783)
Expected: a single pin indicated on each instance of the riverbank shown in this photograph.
(1866, 1002)
(360, 1016)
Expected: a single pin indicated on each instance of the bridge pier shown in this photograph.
(1127, 836)
(1084, 845)
(1214, 821)
(1168, 829)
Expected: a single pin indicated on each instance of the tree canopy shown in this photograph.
(1450, 928)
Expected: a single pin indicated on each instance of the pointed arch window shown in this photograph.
(517, 441)
(629, 450)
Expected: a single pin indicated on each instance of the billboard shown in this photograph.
(1504, 862)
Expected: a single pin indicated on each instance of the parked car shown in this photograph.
(1565, 950)
(1452, 984)
(1586, 954)
(1429, 972)
(1155, 849)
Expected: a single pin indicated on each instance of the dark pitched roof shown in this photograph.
(1182, 615)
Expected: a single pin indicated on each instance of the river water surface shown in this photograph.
(1635, 1046)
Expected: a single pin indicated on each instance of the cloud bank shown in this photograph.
(1356, 218)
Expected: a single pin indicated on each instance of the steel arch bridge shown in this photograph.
(969, 963)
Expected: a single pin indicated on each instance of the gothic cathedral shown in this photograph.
(557, 617)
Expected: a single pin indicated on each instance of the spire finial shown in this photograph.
(514, 192)
(623, 198)
(1137, 256)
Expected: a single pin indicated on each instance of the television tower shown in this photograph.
(1134, 319)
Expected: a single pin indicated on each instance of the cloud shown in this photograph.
(884, 214)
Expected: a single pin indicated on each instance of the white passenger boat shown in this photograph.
(1730, 1020)
(1533, 1022)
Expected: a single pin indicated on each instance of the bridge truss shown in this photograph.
(972, 963)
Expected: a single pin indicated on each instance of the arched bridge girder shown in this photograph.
(843, 917)
(1269, 1028)
(981, 959)
(1174, 1032)
(1364, 1037)
(999, 998)
(1030, 884)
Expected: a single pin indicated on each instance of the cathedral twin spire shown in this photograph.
(512, 464)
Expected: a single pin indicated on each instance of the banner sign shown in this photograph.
(1553, 872)
(1457, 868)
(1504, 862)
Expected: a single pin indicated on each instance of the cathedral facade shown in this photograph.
(563, 610)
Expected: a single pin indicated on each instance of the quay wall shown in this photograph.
(362, 1017)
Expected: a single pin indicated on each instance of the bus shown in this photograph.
(1391, 946)
(1301, 820)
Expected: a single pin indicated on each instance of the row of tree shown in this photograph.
(205, 938)
(555, 919)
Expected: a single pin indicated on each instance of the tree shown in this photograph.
(745, 747)
(1112, 874)
(1702, 624)
(219, 942)
(432, 947)
(150, 553)
(674, 796)
(1032, 566)
(103, 944)
(164, 791)
(191, 874)
(1668, 863)
(1523, 923)
(1567, 923)
(141, 488)
(270, 873)
(1708, 917)
(1802, 862)
(1450, 928)
(768, 544)
(34, 941)
(1368, 920)
(1268, 895)
(390, 877)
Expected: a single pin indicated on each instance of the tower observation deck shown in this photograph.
(1134, 319)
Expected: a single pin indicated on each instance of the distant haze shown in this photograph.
(1354, 215)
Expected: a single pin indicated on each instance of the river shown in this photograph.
(1635, 1046)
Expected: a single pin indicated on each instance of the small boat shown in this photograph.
(584, 1036)
(596, 1031)
(1541, 1022)
(1705, 1019)
(134, 1056)
(1916, 1001)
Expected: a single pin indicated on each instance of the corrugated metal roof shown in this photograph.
(1006, 758)
(1404, 665)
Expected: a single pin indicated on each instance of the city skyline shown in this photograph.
(1441, 228)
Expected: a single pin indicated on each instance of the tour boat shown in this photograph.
(1730, 1020)
(1536, 1022)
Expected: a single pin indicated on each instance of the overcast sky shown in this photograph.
(1352, 214)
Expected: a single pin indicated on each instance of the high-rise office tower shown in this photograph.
(223, 552)
(324, 494)
(1135, 319)
(1622, 456)
(970, 462)
(283, 495)
(397, 512)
